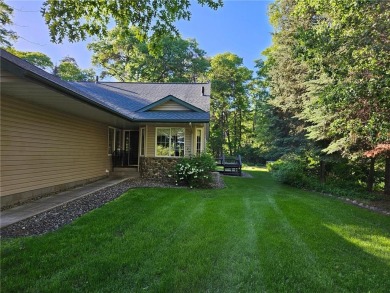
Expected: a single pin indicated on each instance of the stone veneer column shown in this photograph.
(157, 168)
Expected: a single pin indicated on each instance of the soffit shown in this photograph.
(37, 93)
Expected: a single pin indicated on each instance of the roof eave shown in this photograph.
(77, 96)
(28, 74)
(173, 120)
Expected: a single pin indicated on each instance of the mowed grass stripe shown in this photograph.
(253, 236)
(298, 252)
(341, 262)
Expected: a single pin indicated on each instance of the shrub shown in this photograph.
(194, 171)
(290, 169)
(300, 171)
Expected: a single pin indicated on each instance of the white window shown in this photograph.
(199, 141)
(114, 140)
(170, 142)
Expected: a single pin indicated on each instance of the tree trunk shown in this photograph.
(235, 133)
(387, 176)
(322, 171)
(229, 141)
(371, 175)
(240, 131)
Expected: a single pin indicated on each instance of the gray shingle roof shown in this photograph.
(125, 98)
(190, 93)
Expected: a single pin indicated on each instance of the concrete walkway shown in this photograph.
(38, 206)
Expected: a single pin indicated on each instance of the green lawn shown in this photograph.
(253, 236)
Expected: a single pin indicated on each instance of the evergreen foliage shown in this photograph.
(328, 77)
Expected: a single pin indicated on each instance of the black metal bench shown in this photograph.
(231, 165)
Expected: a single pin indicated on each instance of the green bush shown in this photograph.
(290, 169)
(302, 171)
(194, 171)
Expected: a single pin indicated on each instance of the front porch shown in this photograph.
(153, 149)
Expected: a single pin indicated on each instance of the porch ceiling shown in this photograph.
(35, 92)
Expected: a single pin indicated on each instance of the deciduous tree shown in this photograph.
(230, 102)
(169, 59)
(69, 70)
(6, 35)
(37, 58)
(76, 20)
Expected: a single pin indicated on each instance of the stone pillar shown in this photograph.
(157, 168)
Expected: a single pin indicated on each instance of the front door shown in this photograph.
(131, 139)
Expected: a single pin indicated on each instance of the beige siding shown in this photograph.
(170, 106)
(151, 137)
(41, 148)
(150, 140)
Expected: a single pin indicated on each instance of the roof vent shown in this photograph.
(97, 79)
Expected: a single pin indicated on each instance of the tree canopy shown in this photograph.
(230, 102)
(328, 74)
(37, 58)
(6, 35)
(76, 20)
(69, 70)
(169, 59)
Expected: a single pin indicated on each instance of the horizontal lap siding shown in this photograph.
(150, 140)
(42, 148)
(170, 106)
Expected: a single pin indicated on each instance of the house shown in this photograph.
(57, 134)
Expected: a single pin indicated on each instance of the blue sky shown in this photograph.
(240, 27)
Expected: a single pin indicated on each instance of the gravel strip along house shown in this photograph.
(56, 134)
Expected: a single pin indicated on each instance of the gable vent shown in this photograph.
(170, 106)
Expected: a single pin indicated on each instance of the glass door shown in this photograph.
(126, 147)
(130, 148)
(134, 147)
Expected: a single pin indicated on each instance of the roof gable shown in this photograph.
(170, 103)
(149, 93)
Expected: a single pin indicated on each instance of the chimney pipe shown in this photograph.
(97, 79)
(202, 90)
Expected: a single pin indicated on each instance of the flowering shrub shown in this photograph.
(194, 171)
